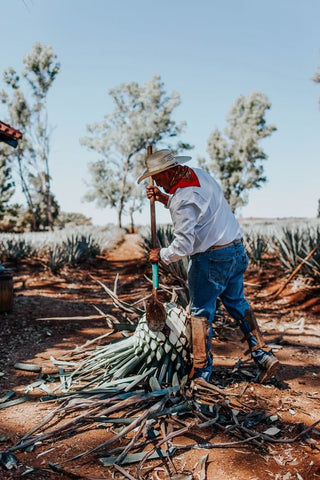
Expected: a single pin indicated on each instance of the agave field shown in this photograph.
(89, 392)
(69, 246)
(288, 243)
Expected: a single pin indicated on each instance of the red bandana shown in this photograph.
(193, 182)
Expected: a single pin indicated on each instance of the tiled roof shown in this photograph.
(9, 132)
(9, 135)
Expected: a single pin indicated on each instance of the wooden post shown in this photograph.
(275, 295)
(6, 290)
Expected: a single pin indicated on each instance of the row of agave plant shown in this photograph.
(59, 248)
(290, 245)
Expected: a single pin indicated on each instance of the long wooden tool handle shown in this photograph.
(152, 209)
(155, 267)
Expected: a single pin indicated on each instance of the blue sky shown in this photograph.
(209, 51)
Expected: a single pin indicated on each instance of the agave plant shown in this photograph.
(256, 246)
(294, 245)
(56, 259)
(78, 248)
(291, 247)
(159, 358)
(72, 251)
(312, 243)
(78, 241)
(14, 249)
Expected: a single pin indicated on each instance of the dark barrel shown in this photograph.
(6, 290)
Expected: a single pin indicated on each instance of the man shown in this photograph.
(206, 230)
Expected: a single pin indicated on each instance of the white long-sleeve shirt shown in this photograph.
(201, 218)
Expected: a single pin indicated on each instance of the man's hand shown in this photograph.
(154, 256)
(154, 192)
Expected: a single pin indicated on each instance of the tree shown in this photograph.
(318, 214)
(141, 116)
(6, 187)
(28, 112)
(136, 199)
(72, 219)
(316, 77)
(236, 157)
(40, 202)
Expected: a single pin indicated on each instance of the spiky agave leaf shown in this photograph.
(256, 245)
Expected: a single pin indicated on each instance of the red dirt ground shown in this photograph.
(291, 322)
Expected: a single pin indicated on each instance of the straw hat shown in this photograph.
(160, 161)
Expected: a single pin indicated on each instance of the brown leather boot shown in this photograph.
(268, 368)
(201, 348)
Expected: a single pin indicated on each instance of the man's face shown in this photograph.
(163, 179)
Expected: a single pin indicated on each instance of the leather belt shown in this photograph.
(218, 247)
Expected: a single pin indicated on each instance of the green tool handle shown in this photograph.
(155, 275)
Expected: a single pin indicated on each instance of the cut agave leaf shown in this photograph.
(61, 363)
(137, 457)
(11, 403)
(9, 461)
(154, 384)
(27, 471)
(28, 367)
(273, 418)
(7, 396)
(272, 431)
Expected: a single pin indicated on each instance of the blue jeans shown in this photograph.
(219, 273)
